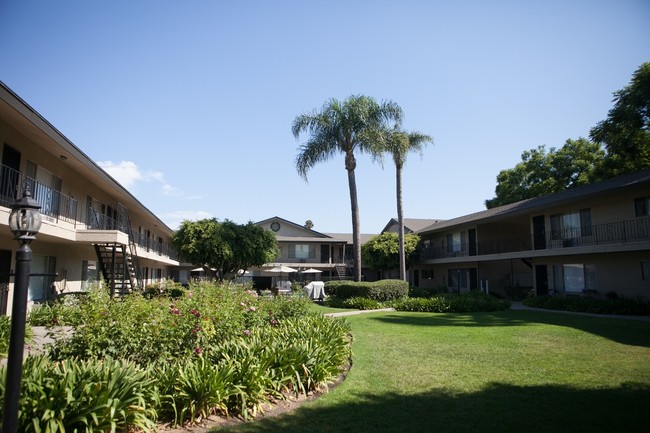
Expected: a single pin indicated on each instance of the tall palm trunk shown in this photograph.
(400, 222)
(350, 164)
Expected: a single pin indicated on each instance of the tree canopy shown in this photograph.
(619, 144)
(382, 251)
(224, 248)
(626, 131)
(540, 172)
(344, 127)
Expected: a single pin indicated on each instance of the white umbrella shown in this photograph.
(282, 269)
(311, 271)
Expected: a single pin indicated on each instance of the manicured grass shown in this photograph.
(324, 309)
(511, 371)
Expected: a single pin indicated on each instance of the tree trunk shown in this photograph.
(400, 222)
(356, 226)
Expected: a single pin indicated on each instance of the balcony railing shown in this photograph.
(160, 248)
(619, 232)
(53, 203)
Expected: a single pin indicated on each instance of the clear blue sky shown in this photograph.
(190, 103)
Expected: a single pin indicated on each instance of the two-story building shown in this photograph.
(311, 254)
(590, 239)
(92, 229)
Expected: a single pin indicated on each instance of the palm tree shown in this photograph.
(344, 127)
(399, 143)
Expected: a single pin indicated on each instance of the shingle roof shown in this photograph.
(347, 237)
(533, 204)
(413, 224)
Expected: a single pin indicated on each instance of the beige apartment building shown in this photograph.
(592, 240)
(92, 229)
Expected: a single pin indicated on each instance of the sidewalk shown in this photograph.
(355, 312)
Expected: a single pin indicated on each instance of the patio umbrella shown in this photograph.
(311, 271)
(281, 269)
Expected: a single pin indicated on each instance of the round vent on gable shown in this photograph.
(275, 226)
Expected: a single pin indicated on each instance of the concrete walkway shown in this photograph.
(355, 312)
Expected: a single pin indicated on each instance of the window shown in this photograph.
(572, 225)
(574, 278)
(456, 242)
(302, 251)
(88, 274)
(642, 206)
(427, 274)
(40, 288)
(457, 278)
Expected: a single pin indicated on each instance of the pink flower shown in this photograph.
(195, 313)
(247, 333)
(274, 322)
(253, 308)
(198, 350)
(242, 304)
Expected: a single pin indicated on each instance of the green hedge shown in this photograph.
(470, 302)
(382, 291)
(631, 307)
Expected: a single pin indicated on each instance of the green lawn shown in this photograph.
(513, 371)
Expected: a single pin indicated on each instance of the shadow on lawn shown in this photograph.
(631, 332)
(499, 408)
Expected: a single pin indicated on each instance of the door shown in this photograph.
(324, 253)
(539, 233)
(541, 280)
(472, 242)
(473, 279)
(9, 174)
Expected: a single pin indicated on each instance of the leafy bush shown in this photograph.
(361, 303)
(61, 311)
(426, 292)
(431, 305)
(5, 332)
(193, 388)
(633, 307)
(452, 303)
(383, 290)
(216, 349)
(331, 287)
(85, 395)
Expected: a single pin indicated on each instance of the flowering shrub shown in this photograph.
(217, 349)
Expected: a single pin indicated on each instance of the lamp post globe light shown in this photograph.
(24, 222)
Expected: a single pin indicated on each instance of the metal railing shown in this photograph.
(618, 232)
(53, 203)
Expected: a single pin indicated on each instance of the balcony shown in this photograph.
(619, 232)
(54, 204)
(614, 233)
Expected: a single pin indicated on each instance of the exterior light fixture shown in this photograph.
(25, 218)
(24, 222)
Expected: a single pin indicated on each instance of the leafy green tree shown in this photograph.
(626, 131)
(345, 127)
(540, 173)
(399, 143)
(223, 248)
(381, 252)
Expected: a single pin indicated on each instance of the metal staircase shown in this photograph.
(344, 272)
(118, 262)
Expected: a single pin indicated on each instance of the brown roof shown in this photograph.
(540, 203)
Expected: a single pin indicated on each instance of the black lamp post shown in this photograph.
(24, 222)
